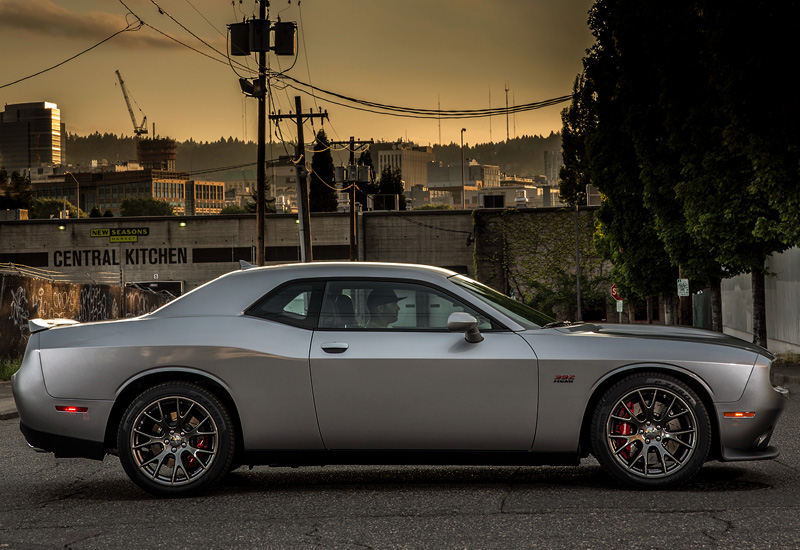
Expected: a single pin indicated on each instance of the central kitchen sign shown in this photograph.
(126, 235)
(129, 256)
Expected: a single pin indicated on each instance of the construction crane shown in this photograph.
(138, 129)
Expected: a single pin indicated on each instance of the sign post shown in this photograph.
(615, 294)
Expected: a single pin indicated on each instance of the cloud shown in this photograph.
(43, 18)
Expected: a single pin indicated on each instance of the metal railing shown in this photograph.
(96, 277)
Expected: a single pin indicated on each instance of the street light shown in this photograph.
(463, 187)
(77, 192)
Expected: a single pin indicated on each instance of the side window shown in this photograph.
(295, 304)
(375, 305)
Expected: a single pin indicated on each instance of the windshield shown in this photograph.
(519, 312)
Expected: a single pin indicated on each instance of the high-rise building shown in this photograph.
(30, 136)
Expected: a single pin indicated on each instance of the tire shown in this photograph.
(651, 430)
(175, 440)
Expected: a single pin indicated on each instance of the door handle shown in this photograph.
(335, 347)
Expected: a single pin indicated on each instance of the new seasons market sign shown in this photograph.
(126, 235)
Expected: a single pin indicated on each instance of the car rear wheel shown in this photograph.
(650, 430)
(176, 439)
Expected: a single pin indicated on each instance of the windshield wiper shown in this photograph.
(557, 324)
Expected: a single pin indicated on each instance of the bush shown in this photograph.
(8, 367)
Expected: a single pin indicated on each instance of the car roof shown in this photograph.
(232, 293)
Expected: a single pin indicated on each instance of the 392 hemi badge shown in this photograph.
(564, 379)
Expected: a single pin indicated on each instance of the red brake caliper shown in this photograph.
(202, 443)
(624, 428)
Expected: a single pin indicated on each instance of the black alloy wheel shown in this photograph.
(176, 439)
(650, 430)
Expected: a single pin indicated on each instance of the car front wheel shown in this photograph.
(651, 430)
(176, 439)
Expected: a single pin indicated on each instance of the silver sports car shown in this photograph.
(358, 363)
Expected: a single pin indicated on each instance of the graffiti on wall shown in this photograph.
(24, 298)
(19, 309)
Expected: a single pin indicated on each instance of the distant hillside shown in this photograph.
(523, 156)
(82, 150)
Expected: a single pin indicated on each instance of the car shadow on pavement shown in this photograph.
(296, 481)
(346, 478)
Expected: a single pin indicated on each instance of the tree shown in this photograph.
(599, 150)
(233, 209)
(638, 58)
(95, 212)
(745, 40)
(672, 76)
(578, 119)
(145, 206)
(44, 209)
(391, 183)
(322, 190)
(15, 191)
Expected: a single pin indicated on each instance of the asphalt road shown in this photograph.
(81, 504)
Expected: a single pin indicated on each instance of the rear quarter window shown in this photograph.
(295, 304)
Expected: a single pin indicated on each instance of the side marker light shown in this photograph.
(739, 415)
(71, 409)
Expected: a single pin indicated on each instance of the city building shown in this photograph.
(411, 159)
(204, 197)
(157, 153)
(593, 197)
(107, 186)
(281, 185)
(553, 161)
(31, 136)
(240, 186)
(447, 178)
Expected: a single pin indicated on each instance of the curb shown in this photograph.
(8, 409)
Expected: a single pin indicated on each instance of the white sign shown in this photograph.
(683, 288)
(619, 306)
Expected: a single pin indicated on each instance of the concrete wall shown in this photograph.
(783, 304)
(193, 250)
(23, 298)
(443, 238)
(521, 252)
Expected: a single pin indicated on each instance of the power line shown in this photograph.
(366, 105)
(131, 27)
(412, 112)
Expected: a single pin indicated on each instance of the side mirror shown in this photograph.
(464, 322)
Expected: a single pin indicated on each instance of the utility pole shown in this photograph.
(304, 216)
(352, 191)
(261, 150)
(579, 316)
(508, 137)
(254, 36)
(463, 187)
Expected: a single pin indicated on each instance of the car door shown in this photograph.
(413, 384)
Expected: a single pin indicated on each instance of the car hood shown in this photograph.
(662, 332)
